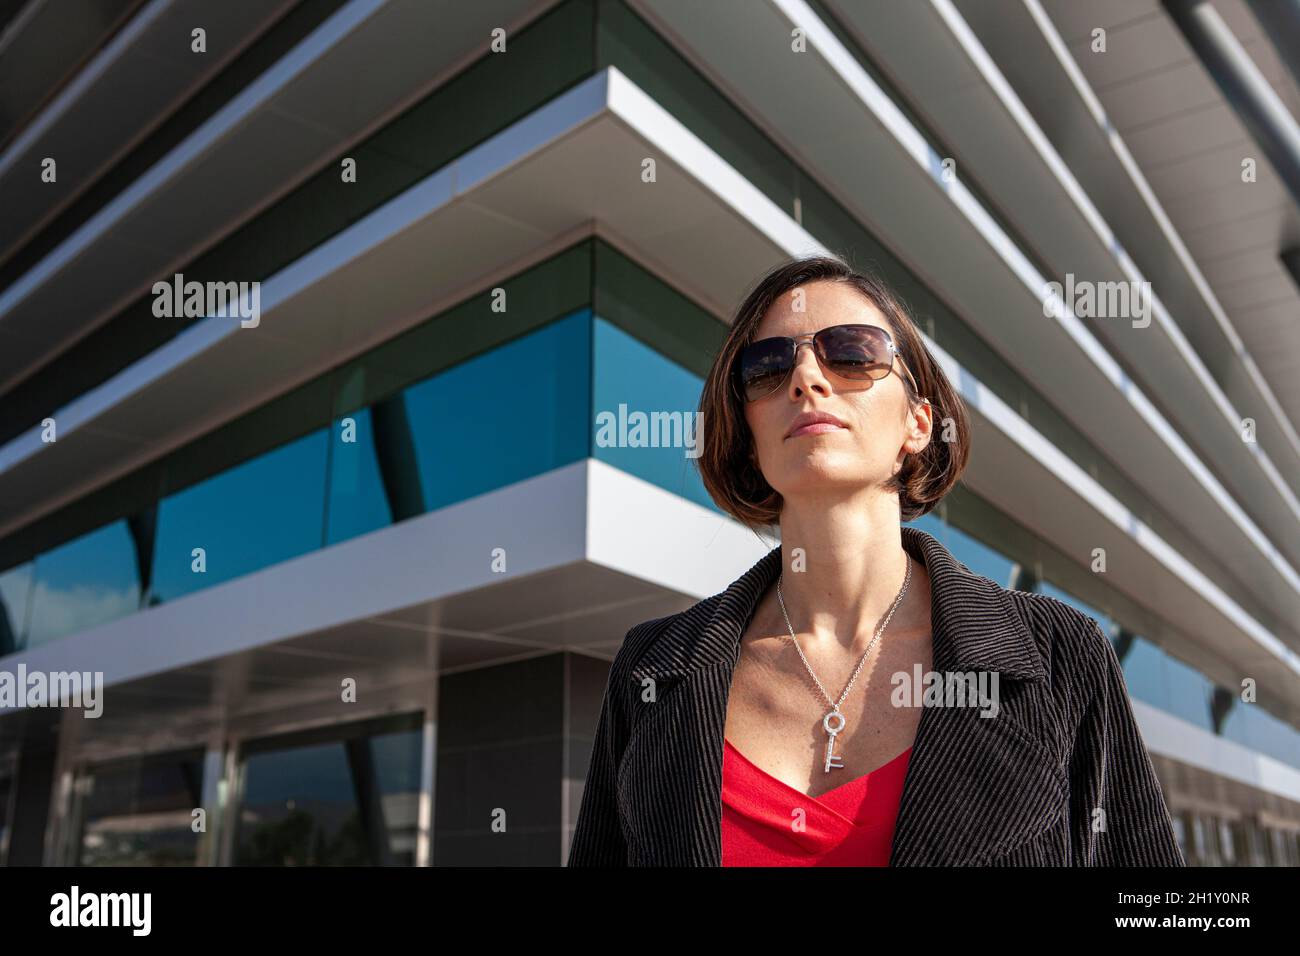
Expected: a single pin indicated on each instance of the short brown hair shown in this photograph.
(730, 474)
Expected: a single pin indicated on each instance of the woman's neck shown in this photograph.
(843, 566)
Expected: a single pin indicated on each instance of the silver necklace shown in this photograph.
(834, 721)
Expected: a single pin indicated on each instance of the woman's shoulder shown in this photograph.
(641, 637)
(1070, 640)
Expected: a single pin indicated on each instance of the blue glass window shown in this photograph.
(15, 594)
(1189, 693)
(264, 511)
(358, 501)
(634, 383)
(504, 416)
(300, 804)
(1146, 674)
(86, 582)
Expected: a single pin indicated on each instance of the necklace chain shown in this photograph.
(835, 705)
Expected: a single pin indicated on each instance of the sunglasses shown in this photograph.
(852, 352)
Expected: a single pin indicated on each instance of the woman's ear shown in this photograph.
(920, 427)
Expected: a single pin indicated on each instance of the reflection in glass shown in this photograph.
(509, 414)
(1189, 693)
(346, 802)
(15, 590)
(6, 790)
(259, 513)
(1145, 674)
(139, 811)
(630, 374)
(1251, 726)
(86, 582)
(358, 501)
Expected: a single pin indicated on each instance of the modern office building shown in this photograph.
(352, 548)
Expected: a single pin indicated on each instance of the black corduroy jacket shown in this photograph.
(1058, 777)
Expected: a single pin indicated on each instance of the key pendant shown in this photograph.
(837, 719)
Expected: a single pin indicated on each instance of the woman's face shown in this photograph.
(876, 425)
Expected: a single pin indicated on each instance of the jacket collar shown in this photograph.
(974, 623)
(956, 809)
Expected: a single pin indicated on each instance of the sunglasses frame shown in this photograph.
(809, 339)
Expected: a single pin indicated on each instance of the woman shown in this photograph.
(858, 697)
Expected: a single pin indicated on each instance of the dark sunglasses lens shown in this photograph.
(763, 366)
(856, 351)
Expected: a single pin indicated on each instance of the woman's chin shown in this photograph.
(812, 475)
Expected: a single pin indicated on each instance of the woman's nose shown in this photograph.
(807, 372)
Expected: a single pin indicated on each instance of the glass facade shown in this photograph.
(15, 597)
(6, 800)
(91, 580)
(139, 811)
(259, 513)
(342, 796)
(408, 428)
(1152, 675)
(595, 358)
(254, 494)
(559, 49)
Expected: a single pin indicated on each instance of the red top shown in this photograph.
(851, 825)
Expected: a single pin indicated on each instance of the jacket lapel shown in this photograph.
(976, 787)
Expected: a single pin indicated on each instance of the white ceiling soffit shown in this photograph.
(932, 53)
(267, 140)
(950, 241)
(130, 87)
(557, 174)
(1221, 279)
(542, 601)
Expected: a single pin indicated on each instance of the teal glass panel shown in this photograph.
(358, 502)
(1236, 725)
(932, 525)
(1279, 739)
(1146, 673)
(643, 414)
(264, 511)
(15, 594)
(1252, 726)
(504, 416)
(1189, 693)
(86, 582)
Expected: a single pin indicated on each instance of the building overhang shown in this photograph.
(939, 229)
(266, 141)
(585, 552)
(570, 168)
(90, 124)
(1221, 278)
(932, 52)
(590, 551)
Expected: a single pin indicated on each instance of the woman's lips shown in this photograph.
(816, 428)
